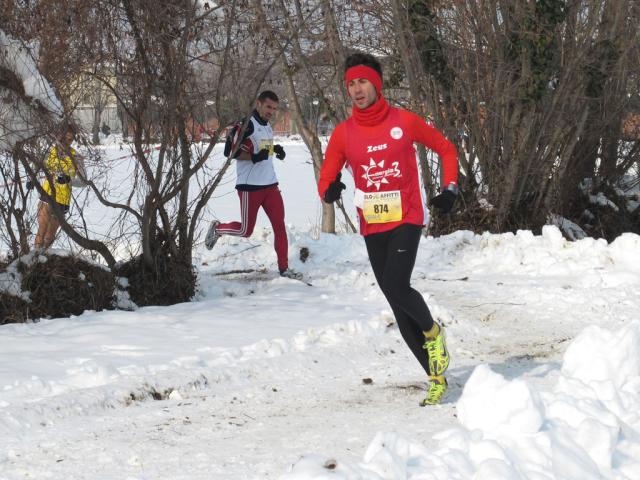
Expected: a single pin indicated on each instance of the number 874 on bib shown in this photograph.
(382, 207)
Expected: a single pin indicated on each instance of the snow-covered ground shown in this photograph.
(263, 377)
(261, 373)
(295, 175)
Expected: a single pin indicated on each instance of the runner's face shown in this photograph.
(68, 137)
(362, 92)
(267, 108)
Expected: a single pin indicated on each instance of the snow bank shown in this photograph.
(547, 254)
(588, 427)
(20, 59)
(98, 361)
(19, 118)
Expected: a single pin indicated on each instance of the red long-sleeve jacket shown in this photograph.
(384, 165)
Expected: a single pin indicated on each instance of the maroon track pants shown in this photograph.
(270, 200)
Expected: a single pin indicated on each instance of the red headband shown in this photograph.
(362, 71)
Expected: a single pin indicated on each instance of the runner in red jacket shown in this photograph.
(376, 144)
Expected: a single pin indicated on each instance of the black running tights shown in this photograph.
(392, 255)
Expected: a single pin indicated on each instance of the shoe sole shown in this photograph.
(212, 237)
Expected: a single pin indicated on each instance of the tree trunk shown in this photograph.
(95, 129)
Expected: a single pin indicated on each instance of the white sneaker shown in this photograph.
(212, 235)
(288, 273)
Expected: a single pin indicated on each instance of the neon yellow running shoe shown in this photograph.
(436, 348)
(436, 390)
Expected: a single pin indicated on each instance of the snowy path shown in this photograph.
(254, 426)
(256, 390)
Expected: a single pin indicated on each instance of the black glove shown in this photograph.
(63, 178)
(29, 185)
(444, 202)
(279, 151)
(334, 190)
(260, 156)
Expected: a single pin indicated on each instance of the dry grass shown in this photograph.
(59, 287)
(168, 283)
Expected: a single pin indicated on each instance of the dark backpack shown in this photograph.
(232, 138)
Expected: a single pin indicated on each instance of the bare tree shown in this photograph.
(17, 223)
(536, 88)
(307, 39)
(168, 59)
(29, 109)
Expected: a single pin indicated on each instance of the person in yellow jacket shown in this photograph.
(65, 167)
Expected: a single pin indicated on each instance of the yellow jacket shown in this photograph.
(57, 166)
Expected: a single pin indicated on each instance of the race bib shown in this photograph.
(266, 144)
(382, 207)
